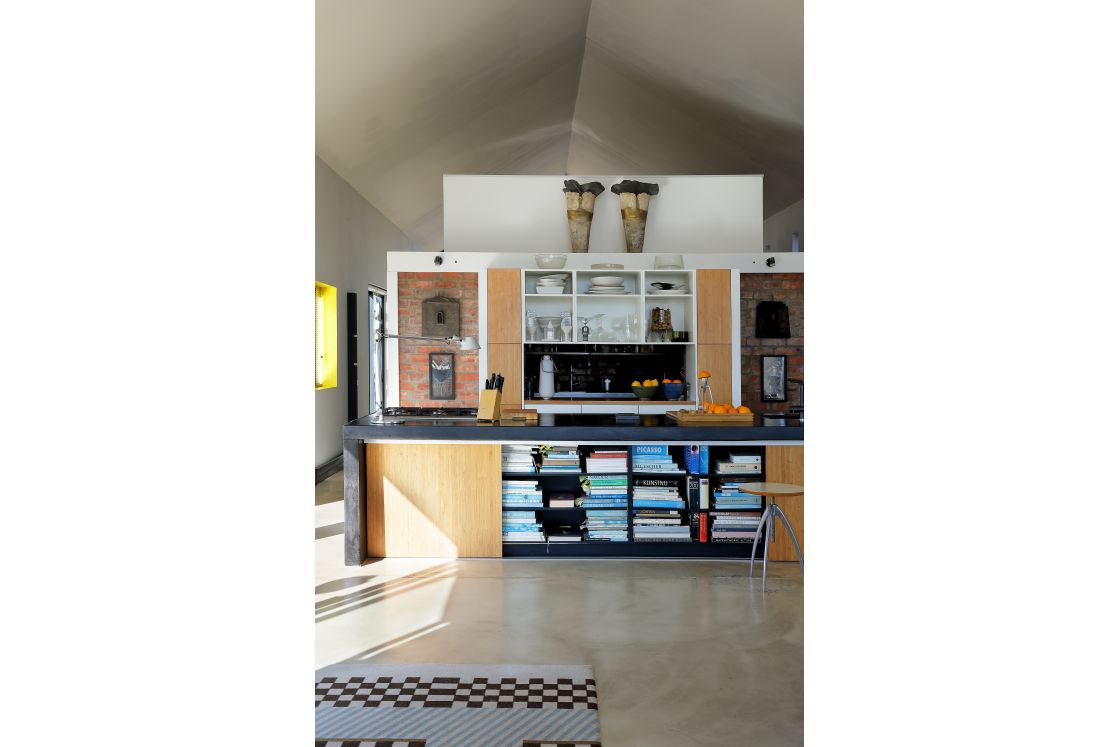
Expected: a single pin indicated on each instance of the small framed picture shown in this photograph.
(773, 378)
(441, 376)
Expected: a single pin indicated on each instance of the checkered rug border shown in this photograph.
(358, 691)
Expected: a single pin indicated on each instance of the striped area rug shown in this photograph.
(457, 705)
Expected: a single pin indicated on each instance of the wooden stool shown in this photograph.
(767, 522)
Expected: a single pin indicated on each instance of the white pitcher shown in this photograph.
(547, 385)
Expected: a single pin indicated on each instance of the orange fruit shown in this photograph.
(675, 381)
(743, 409)
(719, 410)
(666, 381)
(703, 374)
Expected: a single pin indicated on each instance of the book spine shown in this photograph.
(704, 493)
(703, 460)
(703, 527)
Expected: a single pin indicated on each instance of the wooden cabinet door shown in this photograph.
(434, 500)
(787, 464)
(503, 306)
(505, 358)
(713, 307)
(716, 360)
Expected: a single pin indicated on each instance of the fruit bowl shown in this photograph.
(672, 391)
(645, 392)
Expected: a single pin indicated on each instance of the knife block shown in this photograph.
(490, 405)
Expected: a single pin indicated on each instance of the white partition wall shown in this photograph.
(526, 214)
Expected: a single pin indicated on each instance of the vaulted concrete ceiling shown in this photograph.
(409, 90)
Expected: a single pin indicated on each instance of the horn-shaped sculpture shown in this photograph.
(634, 197)
(580, 199)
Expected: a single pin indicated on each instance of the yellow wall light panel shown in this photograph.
(326, 336)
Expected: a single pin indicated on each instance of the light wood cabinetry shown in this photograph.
(434, 500)
(713, 307)
(716, 360)
(505, 358)
(713, 331)
(503, 306)
(787, 464)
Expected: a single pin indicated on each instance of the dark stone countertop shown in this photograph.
(579, 428)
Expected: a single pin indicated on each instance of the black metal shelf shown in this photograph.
(601, 549)
(631, 548)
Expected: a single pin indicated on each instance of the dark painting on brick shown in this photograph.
(416, 384)
(768, 292)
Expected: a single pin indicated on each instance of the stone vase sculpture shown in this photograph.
(634, 199)
(580, 201)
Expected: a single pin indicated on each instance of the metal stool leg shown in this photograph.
(766, 546)
(782, 515)
(754, 545)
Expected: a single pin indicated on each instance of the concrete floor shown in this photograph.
(685, 652)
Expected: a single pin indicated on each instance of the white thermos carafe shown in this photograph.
(547, 385)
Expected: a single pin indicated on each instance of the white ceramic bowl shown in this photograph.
(607, 266)
(550, 290)
(612, 280)
(551, 261)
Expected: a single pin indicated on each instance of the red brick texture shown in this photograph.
(789, 288)
(412, 289)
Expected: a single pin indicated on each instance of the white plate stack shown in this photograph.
(551, 285)
(607, 285)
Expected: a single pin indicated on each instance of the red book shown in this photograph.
(703, 527)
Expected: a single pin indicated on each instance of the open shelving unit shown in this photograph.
(635, 305)
(639, 299)
(570, 482)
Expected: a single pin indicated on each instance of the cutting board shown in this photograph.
(695, 417)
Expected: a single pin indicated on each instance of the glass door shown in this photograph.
(376, 349)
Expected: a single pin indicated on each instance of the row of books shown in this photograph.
(605, 491)
(652, 492)
(654, 458)
(560, 459)
(730, 495)
(659, 525)
(602, 461)
(521, 526)
(519, 458)
(734, 526)
(724, 526)
(740, 464)
(606, 525)
(522, 494)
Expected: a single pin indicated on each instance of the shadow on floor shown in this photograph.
(327, 609)
(329, 530)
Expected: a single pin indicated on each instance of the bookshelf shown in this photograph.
(552, 518)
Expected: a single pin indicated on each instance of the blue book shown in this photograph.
(654, 450)
(696, 460)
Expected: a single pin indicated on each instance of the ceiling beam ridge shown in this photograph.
(579, 84)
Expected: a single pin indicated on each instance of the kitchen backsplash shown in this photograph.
(789, 288)
(412, 289)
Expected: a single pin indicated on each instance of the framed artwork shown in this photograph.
(773, 378)
(441, 376)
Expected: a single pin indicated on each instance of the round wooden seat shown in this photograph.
(771, 488)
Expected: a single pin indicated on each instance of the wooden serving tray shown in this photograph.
(696, 417)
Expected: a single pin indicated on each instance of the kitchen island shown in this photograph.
(433, 488)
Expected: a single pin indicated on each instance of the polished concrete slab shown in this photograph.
(685, 652)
